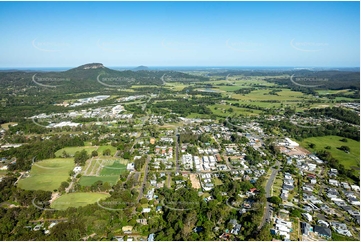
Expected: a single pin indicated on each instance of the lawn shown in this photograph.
(6, 125)
(104, 147)
(217, 182)
(76, 200)
(47, 175)
(90, 180)
(115, 168)
(348, 160)
(110, 169)
(71, 150)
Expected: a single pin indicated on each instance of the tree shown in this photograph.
(345, 148)
(264, 234)
(81, 157)
(275, 200)
(94, 153)
(107, 152)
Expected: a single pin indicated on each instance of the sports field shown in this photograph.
(90, 180)
(76, 200)
(47, 175)
(102, 169)
(349, 160)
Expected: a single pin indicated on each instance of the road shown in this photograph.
(142, 186)
(266, 215)
(176, 149)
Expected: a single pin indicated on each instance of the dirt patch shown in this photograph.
(194, 181)
(355, 168)
(54, 196)
(294, 151)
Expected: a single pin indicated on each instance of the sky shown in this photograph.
(69, 34)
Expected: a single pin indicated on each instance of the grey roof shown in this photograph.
(305, 228)
(323, 231)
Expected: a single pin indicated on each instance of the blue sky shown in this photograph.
(66, 34)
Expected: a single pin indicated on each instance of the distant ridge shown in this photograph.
(141, 68)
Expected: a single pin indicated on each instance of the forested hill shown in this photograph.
(89, 77)
(25, 93)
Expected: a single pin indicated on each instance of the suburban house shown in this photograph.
(322, 231)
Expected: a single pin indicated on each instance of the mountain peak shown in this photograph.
(91, 66)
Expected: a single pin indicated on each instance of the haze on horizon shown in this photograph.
(64, 34)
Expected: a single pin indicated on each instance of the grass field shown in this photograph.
(218, 109)
(3, 173)
(76, 200)
(325, 92)
(115, 168)
(48, 174)
(105, 170)
(90, 180)
(72, 150)
(104, 147)
(262, 94)
(6, 125)
(348, 160)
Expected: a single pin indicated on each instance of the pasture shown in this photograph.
(77, 200)
(47, 175)
(349, 160)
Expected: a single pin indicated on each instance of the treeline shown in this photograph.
(139, 163)
(244, 90)
(299, 133)
(38, 149)
(334, 163)
(337, 113)
(184, 107)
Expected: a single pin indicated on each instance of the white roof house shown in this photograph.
(130, 167)
(307, 216)
(77, 169)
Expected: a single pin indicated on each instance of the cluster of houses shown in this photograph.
(164, 151)
(156, 164)
(203, 164)
(89, 100)
(282, 228)
(130, 98)
(336, 193)
(287, 186)
(113, 113)
(320, 230)
(206, 181)
(155, 119)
